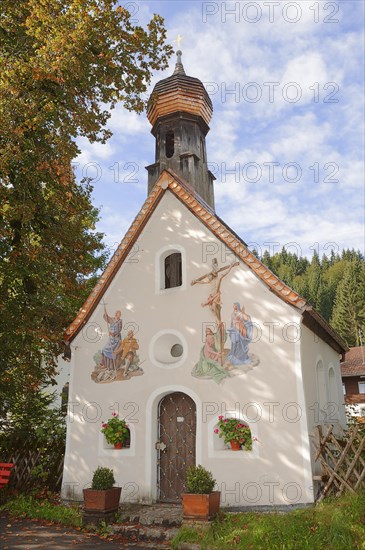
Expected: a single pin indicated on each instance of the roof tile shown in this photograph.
(354, 363)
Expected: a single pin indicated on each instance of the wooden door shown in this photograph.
(176, 447)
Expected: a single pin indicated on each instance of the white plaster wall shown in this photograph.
(269, 397)
(332, 409)
(314, 350)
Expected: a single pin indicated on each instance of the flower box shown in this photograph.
(106, 500)
(201, 507)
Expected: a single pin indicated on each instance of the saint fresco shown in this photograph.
(118, 360)
(217, 361)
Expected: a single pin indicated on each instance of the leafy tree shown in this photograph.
(65, 64)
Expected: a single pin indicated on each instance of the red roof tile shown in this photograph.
(354, 363)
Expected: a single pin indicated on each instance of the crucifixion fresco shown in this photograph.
(217, 362)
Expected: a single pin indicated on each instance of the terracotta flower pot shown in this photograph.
(118, 445)
(235, 445)
(102, 501)
(202, 507)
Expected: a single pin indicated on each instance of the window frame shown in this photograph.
(160, 257)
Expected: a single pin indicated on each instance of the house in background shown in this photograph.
(186, 325)
(353, 380)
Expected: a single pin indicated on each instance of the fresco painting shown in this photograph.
(217, 361)
(225, 353)
(210, 364)
(118, 360)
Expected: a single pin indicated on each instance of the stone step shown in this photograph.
(145, 533)
(167, 516)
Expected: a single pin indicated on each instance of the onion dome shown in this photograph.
(179, 92)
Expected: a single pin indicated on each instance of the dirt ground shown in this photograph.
(26, 534)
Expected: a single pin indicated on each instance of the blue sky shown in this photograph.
(286, 141)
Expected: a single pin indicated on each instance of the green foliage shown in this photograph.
(42, 432)
(103, 478)
(335, 286)
(348, 315)
(104, 530)
(354, 420)
(31, 507)
(199, 480)
(334, 524)
(115, 430)
(232, 429)
(64, 66)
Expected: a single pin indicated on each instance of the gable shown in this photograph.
(191, 200)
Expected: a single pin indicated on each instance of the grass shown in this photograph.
(336, 524)
(32, 507)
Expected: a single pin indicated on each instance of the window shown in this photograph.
(322, 394)
(173, 270)
(217, 448)
(170, 269)
(361, 387)
(170, 144)
(168, 349)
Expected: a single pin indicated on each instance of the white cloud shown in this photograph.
(306, 132)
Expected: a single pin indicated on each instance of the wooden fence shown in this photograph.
(37, 466)
(341, 455)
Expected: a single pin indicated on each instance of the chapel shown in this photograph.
(187, 328)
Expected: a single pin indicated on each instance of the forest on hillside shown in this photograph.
(334, 285)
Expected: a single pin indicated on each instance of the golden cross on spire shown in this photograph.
(178, 40)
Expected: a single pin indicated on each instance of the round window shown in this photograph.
(168, 349)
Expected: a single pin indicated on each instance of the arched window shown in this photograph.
(170, 144)
(322, 394)
(232, 433)
(173, 270)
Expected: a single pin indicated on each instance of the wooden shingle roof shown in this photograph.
(179, 92)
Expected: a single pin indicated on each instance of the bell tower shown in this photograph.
(179, 111)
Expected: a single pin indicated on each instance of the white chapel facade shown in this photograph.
(186, 325)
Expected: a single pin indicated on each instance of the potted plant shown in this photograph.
(116, 431)
(199, 500)
(234, 432)
(103, 496)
